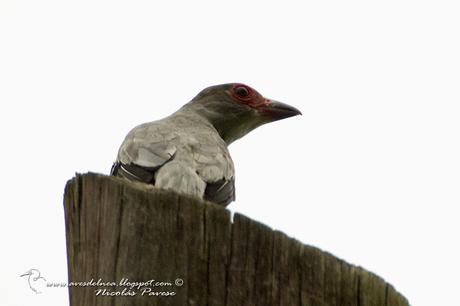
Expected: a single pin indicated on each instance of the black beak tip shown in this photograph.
(280, 110)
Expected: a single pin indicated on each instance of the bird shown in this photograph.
(34, 279)
(188, 151)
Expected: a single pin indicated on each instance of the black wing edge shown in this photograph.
(221, 192)
(134, 172)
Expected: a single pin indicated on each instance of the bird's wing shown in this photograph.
(149, 146)
(146, 148)
(221, 192)
(215, 166)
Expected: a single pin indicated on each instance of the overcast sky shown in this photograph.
(370, 172)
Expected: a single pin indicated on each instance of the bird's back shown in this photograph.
(179, 153)
(187, 151)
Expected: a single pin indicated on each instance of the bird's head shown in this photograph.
(235, 109)
(31, 272)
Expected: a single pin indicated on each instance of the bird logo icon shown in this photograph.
(35, 280)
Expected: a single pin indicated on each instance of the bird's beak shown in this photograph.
(277, 110)
(25, 274)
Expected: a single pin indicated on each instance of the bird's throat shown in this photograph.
(231, 121)
(231, 130)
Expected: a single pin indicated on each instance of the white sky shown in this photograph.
(370, 172)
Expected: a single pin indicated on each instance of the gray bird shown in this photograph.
(188, 150)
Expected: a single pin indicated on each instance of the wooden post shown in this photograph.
(131, 244)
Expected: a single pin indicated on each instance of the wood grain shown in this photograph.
(122, 231)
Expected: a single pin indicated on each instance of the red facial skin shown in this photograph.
(273, 110)
(253, 99)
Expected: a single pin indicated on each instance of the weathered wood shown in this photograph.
(122, 230)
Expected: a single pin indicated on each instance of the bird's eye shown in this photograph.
(242, 91)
